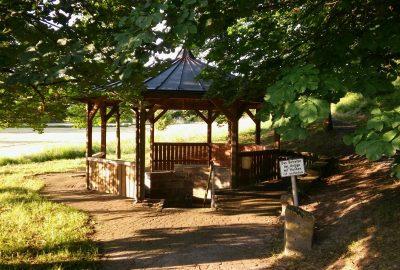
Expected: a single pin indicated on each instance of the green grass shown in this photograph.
(36, 233)
(66, 152)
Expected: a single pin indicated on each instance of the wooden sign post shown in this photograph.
(292, 168)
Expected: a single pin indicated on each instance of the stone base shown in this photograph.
(299, 229)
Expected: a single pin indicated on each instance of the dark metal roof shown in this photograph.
(180, 76)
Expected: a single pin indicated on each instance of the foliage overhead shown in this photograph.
(299, 56)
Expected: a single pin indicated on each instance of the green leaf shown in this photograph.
(376, 111)
(389, 135)
(348, 139)
(396, 143)
(361, 148)
(308, 113)
(375, 123)
(395, 171)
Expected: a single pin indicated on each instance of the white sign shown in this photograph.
(292, 167)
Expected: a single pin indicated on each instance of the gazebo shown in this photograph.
(175, 88)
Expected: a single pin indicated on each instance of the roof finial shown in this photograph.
(184, 53)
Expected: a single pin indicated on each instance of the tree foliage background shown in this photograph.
(300, 56)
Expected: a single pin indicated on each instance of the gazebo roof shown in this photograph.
(178, 87)
(180, 76)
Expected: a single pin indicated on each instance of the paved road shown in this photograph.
(22, 141)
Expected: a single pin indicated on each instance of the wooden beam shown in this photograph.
(258, 129)
(216, 114)
(160, 115)
(151, 118)
(277, 139)
(234, 153)
(229, 132)
(142, 159)
(103, 142)
(222, 108)
(209, 134)
(137, 151)
(93, 110)
(251, 115)
(258, 132)
(89, 139)
(112, 112)
(118, 132)
(201, 115)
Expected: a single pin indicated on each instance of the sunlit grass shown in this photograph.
(36, 233)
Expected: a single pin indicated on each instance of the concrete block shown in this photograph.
(299, 230)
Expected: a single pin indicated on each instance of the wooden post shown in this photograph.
(277, 139)
(137, 151)
(229, 132)
(258, 130)
(209, 135)
(328, 123)
(103, 143)
(89, 139)
(142, 146)
(234, 152)
(118, 132)
(152, 122)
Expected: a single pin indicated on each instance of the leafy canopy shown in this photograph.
(299, 56)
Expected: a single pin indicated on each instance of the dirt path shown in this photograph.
(136, 237)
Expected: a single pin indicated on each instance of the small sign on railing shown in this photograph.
(292, 167)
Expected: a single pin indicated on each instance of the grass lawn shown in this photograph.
(36, 233)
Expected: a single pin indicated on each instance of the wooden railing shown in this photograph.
(112, 176)
(265, 163)
(165, 155)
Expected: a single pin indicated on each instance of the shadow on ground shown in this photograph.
(178, 247)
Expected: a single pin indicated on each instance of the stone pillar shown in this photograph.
(299, 229)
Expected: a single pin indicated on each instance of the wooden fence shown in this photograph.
(265, 163)
(112, 176)
(165, 155)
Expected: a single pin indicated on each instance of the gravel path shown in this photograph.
(136, 237)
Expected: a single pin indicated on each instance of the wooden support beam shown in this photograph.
(229, 132)
(222, 108)
(201, 115)
(277, 139)
(160, 115)
(89, 139)
(112, 112)
(118, 132)
(142, 159)
(150, 116)
(258, 132)
(257, 121)
(103, 142)
(209, 134)
(137, 150)
(216, 114)
(93, 110)
(251, 115)
(234, 153)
